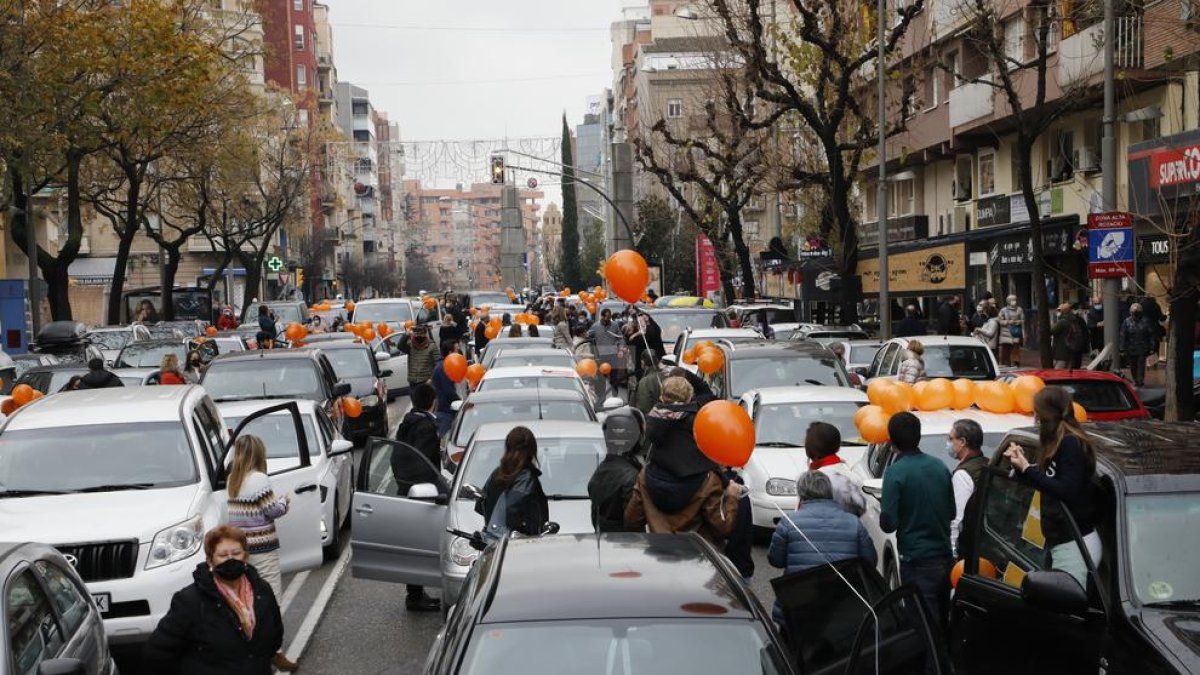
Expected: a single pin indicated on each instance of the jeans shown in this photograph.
(1137, 368)
(1068, 558)
(931, 576)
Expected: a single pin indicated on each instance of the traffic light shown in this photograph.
(498, 170)
(299, 277)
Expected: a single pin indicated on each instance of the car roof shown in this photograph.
(56, 367)
(940, 421)
(497, 431)
(939, 340)
(526, 353)
(500, 395)
(528, 371)
(714, 333)
(154, 342)
(243, 408)
(350, 342)
(503, 337)
(759, 350)
(104, 406)
(381, 301)
(1059, 374)
(806, 394)
(681, 310)
(610, 576)
(269, 355)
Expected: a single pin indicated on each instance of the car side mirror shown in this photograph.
(456, 405)
(873, 487)
(341, 389)
(340, 446)
(669, 360)
(1054, 591)
(426, 492)
(382, 356)
(861, 371)
(612, 403)
(62, 667)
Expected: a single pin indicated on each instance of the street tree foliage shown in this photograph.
(419, 274)
(815, 63)
(668, 237)
(569, 268)
(591, 255)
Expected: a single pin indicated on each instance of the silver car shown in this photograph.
(404, 538)
(53, 623)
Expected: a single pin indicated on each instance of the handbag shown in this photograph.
(1015, 331)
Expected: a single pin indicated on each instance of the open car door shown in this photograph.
(396, 527)
(397, 362)
(283, 429)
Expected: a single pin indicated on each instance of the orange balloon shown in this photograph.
(920, 387)
(873, 426)
(385, 329)
(593, 308)
(492, 331)
(352, 328)
(430, 303)
(408, 325)
(876, 389)
(37, 394)
(1024, 389)
(22, 394)
(606, 369)
(724, 433)
(1080, 412)
(710, 361)
(295, 332)
(564, 292)
(534, 320)
(368, 334)
(352, 407)
(908, 392)
(211, 331)
(964, 394)
(689, 356)
(893, 400)
(937, 394)
(475, 373)
(349, 306)
(455, 366)
(585, 296)
(586, 368)
(601, 294)
(495, 321)
(8, 406)
(626, 271)
(986, 569)
(995, 397)
(865, 411)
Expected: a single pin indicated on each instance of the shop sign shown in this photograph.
(813, 248)
(1015, 254)
(1154, 248)
(931, 270)
(708, 275)
(1175, 166)
(991, 211)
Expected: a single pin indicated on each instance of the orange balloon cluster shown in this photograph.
(295, 332)
(455, 366)
(707, 356)
(383, 329)
(211, 331)
(626, 271)
(724, 433)
(1024, 389)
(352, 407)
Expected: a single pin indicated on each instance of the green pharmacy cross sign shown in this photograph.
(274, 263)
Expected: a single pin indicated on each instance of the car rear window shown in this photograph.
(274, 378)
(148, 355)
(475, 415)
(1099, 395)
(955, 361)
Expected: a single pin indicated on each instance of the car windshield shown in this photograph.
(1099, 395)
(519, 359)
(785, 423)
(542, 382)
(476, 414)
(73, 458)
(935, 446)
(862, 354)
(391, 312)
(1162, 553)
(149, 355)
(23, 365)
(110, 339)
(567, 464)
(273, 378)
(278, 433)
(673, 323)
(59, 378)
(227, 345)
(622, 647)
(955, 361)
(777, 371)
(350, 362)
(285, 313)
(774, 316)
(481, 299)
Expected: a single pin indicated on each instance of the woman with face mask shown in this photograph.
(227, 622)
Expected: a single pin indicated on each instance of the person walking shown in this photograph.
(195, 367)
(481, 338)
(447, 391)
(918, 505)
(612, 484)
(989, 331)
(648, 388)
(821, 444)
(513, 499)
(829, 533)
(965, 446)
(1095, 323)
(911, 325)
(268, 333)
(226, 321)
(1012, 331)
(98, 377)
(422, 355)
(253, 508)
(1063, 469)
(1069, 338)
(607, 340)
(643, 333)
(169, 372)
(418, 429)
(226, 622)
(949, 321)
(562, 330)
(912, 368)
(1137, 341)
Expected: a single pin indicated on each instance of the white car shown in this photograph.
(512, 406)
(690, 337)
(781, 417)
(127, 481)
(935, 432)
(541, 358)
(331, 456)
(948, 356)
(394, 312)
(506, 344)
(532, 377)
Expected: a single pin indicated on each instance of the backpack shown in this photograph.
(1076, 337)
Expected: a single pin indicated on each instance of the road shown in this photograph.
(339, 625)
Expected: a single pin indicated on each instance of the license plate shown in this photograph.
(103, 601)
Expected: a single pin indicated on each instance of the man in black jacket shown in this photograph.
(418, 429)
(613, 481)
(948, 320)
(99, 378)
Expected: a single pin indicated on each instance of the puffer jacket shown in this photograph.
(528, 510)
(1137, 336)
(610, 488)
(706, 509)
(912, 368)
(673, 447)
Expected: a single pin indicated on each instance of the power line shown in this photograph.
(472, 29)
(503, 80)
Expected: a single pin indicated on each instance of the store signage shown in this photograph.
(708, 274)
(932, 270)
(1015, 254)
(1175, 166)
(813, 247)
(993, 211)
(1154, 248)
(1110, 245)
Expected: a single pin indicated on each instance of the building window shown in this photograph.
(931, 87)
(302, 77)
(902, 198)
(950, 69)
(751, 229)
(298, 5)
(1060, 166)
(962, 178)
(299, 39)
(909, 103)
(1014, 41)
(303, 117)
(674, 108)
(987, 172)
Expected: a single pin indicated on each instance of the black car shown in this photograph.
(1018, 608)
(756, 365)
(277, 373)
(67, 341)
(640, 603)
(354, 362)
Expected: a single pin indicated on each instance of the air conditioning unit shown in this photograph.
(960, 191)
(1087, 160)
(962, 218)
(85, 246)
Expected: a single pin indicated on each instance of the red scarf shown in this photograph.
(827, 460)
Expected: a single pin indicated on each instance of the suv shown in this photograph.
(277, 373)
(355, 364)
(1136, 611)
(286, 311)
(673, 321)
(126, 482)
(691, 336)
(948, 356)
(776, 364)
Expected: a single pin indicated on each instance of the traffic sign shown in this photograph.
(1110, 245)
(274, 263)
(532, 183)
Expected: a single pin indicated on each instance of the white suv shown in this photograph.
(125, 482)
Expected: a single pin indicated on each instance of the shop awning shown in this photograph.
(92, 268)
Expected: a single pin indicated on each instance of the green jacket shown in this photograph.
(647, 392)
(918, 505)
(421, 362)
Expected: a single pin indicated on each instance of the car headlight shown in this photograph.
(781, 487)
(369, 401)
(461, 552)
(178, 542)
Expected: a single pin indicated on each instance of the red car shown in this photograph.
(1106, 397)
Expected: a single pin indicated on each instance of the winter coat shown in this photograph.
(481, 340)
(447, 393)
(989, 333)
(672, 445)
(418, 429)
(653, 337)
(1011, 317)
(528, 510)
(847, 488)
(912, 368)
(100, 379)
(266, 325)
(608, 340)
(421, 360)
(1059, 343)
(226, 322)
(947, 319)
(648, 391)
(1137, 336)
(171, 377)
(739, 547)
(910, 326)
(562, 336)
(665, 504)
(201, 635)
(610, 489)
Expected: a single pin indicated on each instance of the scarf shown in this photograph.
(827, 460)
(241, 601)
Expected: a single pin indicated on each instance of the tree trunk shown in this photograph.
(124, 245)
(1181, 337)
(253, 279)
(168, 281)
(847, 230)
(58, 286)
(1041, 297)
(745, 265)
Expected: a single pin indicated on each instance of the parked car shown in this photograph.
(277, 374)
(137, 377)
(111, 339)
(515, 407)
(640, 603)
(672, 321)
(1137, 613)
(1106, 397)
(493, 299)
(949, 356)
(776, 364)
(67, 341)
(392, 311)
(528, 378)
(691, 336)
(541, 358)
(404, 538)
(329, 453)
(751, 314)
(231, 344)
(354, 362)
(858, 353)
(825, 334)
(389, 357)
(504, 343)
(286, 311)
(127, 481)
(781, 417)
(150, 353)
(53, 624)
(51, 379)
(22, 363)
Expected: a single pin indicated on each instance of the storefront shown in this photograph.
(1003, 262)
(917, 275)
(1155, 268)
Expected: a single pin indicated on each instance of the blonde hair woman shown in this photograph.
(169, 371)
(912, 368)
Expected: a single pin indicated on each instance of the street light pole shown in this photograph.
(1108, 185)
(885, 303)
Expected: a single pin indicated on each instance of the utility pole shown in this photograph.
(512, 237)
(1108, 170)
(35, 307)
(885, 302)
(622, 190)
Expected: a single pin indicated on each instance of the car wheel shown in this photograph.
(333, 548)
(891, 573)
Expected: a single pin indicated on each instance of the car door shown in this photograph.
(394, 537)
(82, 628)
(1017, 531)
(34, 632)
(300, 530)
(397, 362)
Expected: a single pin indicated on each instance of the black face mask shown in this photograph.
(230, 570)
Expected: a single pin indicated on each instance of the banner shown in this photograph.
(931, 270)
(708, 275)
(1175, 166)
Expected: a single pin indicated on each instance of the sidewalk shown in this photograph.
(1155, 377)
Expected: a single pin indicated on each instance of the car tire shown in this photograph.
(333, 548)
(891, 572)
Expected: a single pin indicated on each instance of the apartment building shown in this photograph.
(551, 249)
(957, 221)
(359, 160)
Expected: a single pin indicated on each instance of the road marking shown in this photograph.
(296, 649)
(291, 591)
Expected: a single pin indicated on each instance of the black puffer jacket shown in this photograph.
(419, 430)
(1137, 336)
(610, 488)
(673, 447)
(201, 635)
(100, 379)
(528, 510)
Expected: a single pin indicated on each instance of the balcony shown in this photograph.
(949, 16)
(363, 123)
(969, 102)
(325, 95)
(1081, 56)
(324, 60)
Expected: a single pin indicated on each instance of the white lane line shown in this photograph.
(292, 590)
(296, 649)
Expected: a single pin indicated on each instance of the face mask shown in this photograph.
(230, 570)
(1097, 307)
(1012, 303)
(950, 449)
